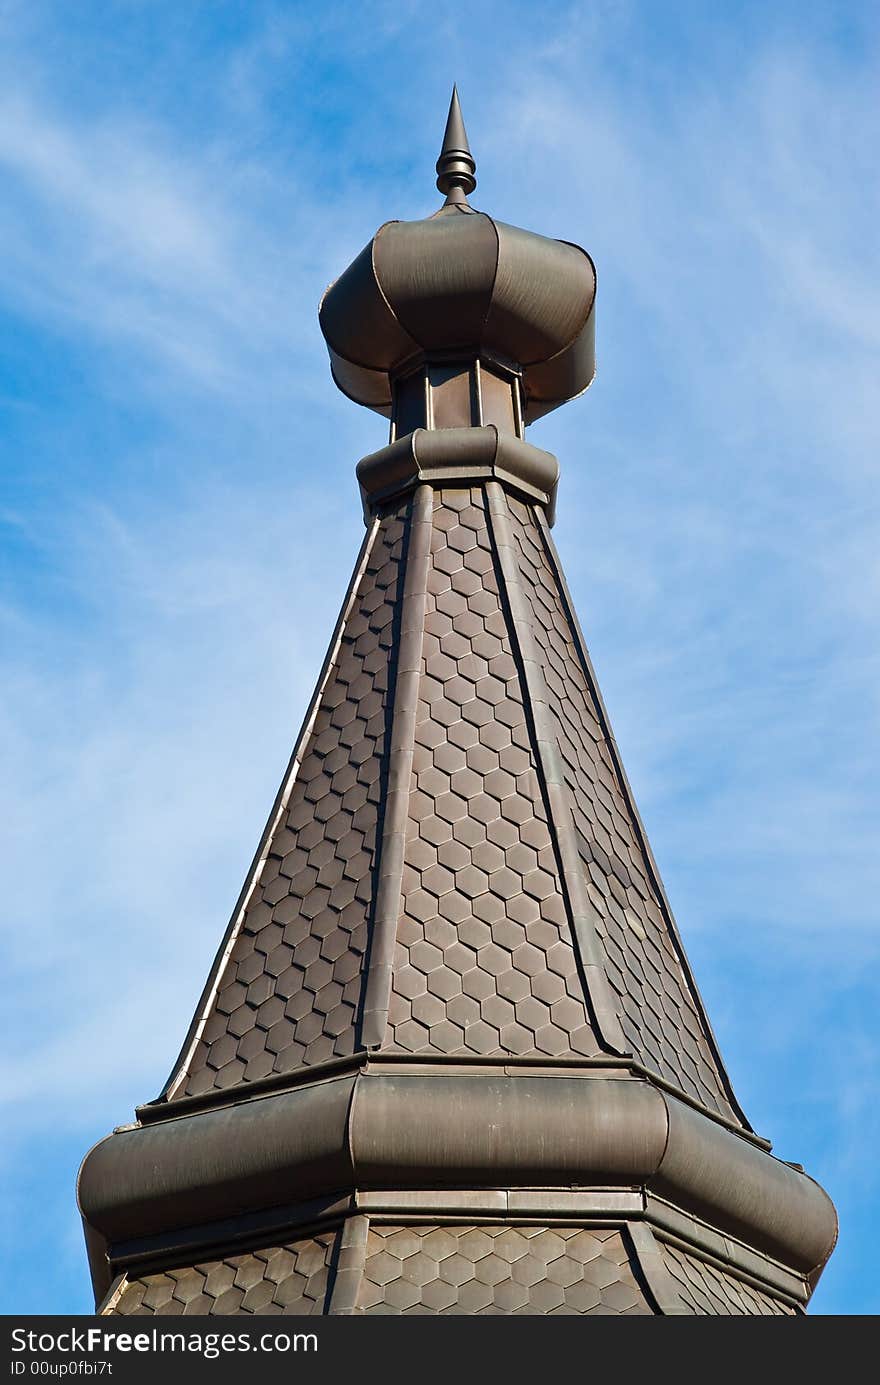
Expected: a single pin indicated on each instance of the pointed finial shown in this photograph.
(455, 166)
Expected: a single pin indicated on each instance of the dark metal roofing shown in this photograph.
(454, 1270)
(474, 1270)
(450, 1057)
(525, 918)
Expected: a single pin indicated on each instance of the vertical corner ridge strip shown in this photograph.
(655, 1271)
(600, 996)
(180, 1070)
(351, 1259)
(108, 1304)
(400, 762)
(580, 645)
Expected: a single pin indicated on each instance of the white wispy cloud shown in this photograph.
(733, 590)
(135, 242)
(718, 517)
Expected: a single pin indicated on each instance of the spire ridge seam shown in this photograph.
(348, 1271)
(383, 932)
(586, 943)
(586, 662)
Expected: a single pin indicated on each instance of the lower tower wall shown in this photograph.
(369, 1267)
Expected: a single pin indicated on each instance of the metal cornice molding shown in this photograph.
(450, 456)
(463, 282)
(754, 1196)
(483, 1131)
(373, 1131)
(190, 1169)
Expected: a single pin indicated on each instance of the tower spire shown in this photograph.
(451, 1057)
(456, 166)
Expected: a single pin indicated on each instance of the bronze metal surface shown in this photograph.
(451, 1057)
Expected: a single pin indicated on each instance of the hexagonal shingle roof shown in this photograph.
(424, 885)
(487, 1082)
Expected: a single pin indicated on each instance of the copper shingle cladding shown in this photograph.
(476, 1270)
(451, 1057)
(290, 1279)
(526, 919)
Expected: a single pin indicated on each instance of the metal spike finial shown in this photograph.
(455, 166)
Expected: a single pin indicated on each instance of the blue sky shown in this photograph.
(179, 513)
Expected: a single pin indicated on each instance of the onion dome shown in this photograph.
(460, 286)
